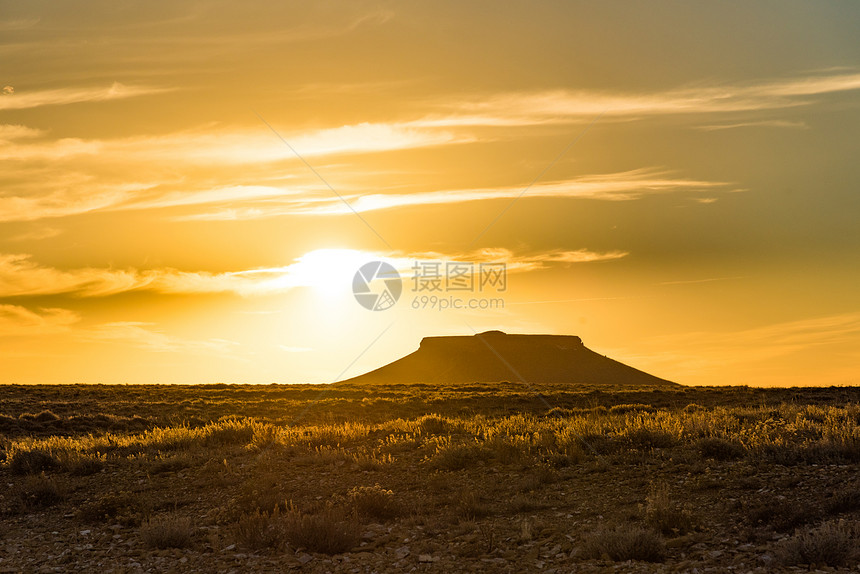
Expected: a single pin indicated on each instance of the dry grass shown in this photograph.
(625, 542)
(832, 544)
(329, 531)
(124, 507)
(375, 502)
(167, 532)
(720, 449)
(40, 491)
(32, 461)
(471, 506)
(662, 514)
(260, 530)
(786, 434)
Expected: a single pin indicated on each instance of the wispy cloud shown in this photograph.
(523, 261)
(528, 108)
(17, 321)
(11, 132)
(145, 336)
(788, 124)
(73, 176)
(20, 276)
(37, 234)
(621, 186)
(693, 281)
(21, 99)
(236, 146)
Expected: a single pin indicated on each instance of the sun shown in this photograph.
(329, 272)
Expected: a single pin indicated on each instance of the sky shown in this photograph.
(188, 189)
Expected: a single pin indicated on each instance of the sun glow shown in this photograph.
(329, 272)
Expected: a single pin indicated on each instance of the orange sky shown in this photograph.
(187, 189)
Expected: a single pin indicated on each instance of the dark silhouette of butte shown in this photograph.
(494, 356)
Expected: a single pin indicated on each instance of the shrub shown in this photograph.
(633, 408)
(229, 431)
(833, 544)
(846, 499)
(434, 425)
(521, 503)
(720, 449)
(782, 515)
(32, 461)
(664, 516)
(471, 507)
(542, 475)
(646, 438)
(109, 507)
(329, 531)
(170, 532)
(457, 456)
(41, 492)
(82, 465)
(374, 502)
(505, 451)
(261, 494)
(371, 462)
(260, 530)
(170, 464)
(625, 542)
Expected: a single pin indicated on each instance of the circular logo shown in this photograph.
(377, 286)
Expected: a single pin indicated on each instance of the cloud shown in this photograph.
(581, 256)
(707, 280)
(70, 193)
(19, 276)
(21, 100)
(143, 336)
(553, 106)
(22, 277)
(37, 234)
(76, 198)
(757, 124)
(17, 321)
(620, 186)
(10, 132)
(237, 147)
(74, 176)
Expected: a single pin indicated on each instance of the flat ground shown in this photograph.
(476, 478)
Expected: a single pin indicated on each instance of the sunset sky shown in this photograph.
(188, 188)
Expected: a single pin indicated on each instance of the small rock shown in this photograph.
(401, 552)
(305, 558)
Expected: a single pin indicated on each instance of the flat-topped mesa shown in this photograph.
(495, 356)
(494, 338)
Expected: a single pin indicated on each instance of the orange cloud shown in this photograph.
(62, 96)
(17, 321)
(20, 276)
